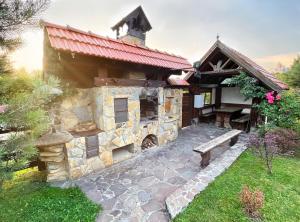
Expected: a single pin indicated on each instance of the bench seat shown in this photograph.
(242, 119)
(208, 114)
(204, 149)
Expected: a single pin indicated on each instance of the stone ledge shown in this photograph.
(177, 201)
(52, 139)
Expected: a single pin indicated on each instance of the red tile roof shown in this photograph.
(177, 81)
(77, 41)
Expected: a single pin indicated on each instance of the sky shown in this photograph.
(268, 31)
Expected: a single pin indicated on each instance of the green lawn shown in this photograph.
(27, 198)
(220, 201)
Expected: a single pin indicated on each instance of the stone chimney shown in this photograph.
(137, 24)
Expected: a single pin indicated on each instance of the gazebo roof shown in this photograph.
(243, 63)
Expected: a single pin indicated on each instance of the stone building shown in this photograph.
(122, 101)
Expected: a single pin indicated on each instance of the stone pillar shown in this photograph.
(52, 152)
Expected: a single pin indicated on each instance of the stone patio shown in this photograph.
(136, 189)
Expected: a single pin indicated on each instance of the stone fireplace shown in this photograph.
(108, 124)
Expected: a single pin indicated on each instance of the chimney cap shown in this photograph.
(135, 20)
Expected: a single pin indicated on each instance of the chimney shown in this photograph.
(137, 24)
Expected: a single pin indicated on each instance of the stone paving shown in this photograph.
(136, 189)
(181, 197)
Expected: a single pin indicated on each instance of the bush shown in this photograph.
(287, 140)
(282, 111)
(252, 201)
(25, 114)
(265, 147)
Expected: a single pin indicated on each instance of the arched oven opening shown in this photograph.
(149, 141)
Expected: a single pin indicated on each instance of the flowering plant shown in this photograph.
(271, 97)
(282, 110)
(265, 147)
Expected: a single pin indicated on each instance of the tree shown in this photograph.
(293, 75)
(15, 16)
(25, 113)
(22, 99)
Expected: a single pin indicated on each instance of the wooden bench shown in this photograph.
(205, 148)
(208, 114)
(242, 119)
(241, 122)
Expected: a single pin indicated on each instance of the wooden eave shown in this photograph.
(239, 61)
(128, 82)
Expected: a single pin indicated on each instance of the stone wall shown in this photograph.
(95, 106)
(74, 111)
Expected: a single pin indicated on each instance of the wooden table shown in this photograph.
(224, 114)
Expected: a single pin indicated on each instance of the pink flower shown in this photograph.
(278, 97)
(271, 101)
(3, 108)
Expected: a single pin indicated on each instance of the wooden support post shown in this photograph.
(205, 158)
(234, 140)
(226, 118)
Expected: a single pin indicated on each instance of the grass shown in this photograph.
(27, 198)
(220, 201)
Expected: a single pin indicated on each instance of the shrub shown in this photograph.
(287, 140)
(252, 201)
(265, 147)
(25, 114)
(281, 110)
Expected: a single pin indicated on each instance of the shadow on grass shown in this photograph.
(27, 198)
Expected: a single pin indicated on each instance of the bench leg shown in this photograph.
(205, 157)
(227, 122)
(218, 120)
(234, 140)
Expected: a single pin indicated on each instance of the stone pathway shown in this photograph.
(136, 189)
(181, 197)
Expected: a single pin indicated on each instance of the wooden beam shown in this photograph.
(212, 65)
(225, 63)
(223, 72)
(128, 82)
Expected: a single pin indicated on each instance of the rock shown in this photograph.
(106, 157)
(49, 154)
(95, 163)
(144, 197)
(118, 142)
(54, 139)
(75, 173)
(78, 153)
(54, 149)
(57, 159)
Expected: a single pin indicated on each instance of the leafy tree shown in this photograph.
(293, 75)
(22, 99)
(25, 113)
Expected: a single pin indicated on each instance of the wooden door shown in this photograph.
(187, 109)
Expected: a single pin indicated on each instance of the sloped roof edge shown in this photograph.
(259, 72)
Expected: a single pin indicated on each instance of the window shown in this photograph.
(92, 146)
(207, 98)
(121, 110)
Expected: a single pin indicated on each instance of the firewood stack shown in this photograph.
(147, 143)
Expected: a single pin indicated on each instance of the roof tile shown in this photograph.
(73, 40)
